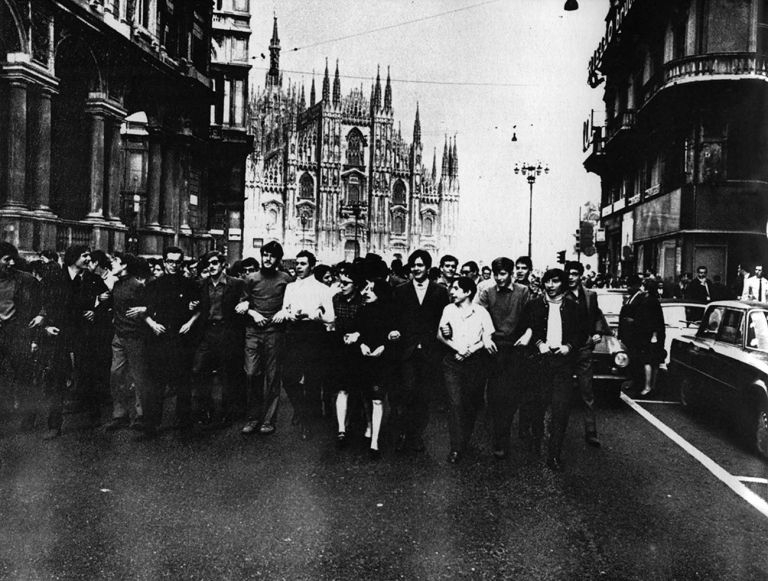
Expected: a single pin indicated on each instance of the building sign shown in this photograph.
(258, 242)
(612, 27)
(658, 216)
(235, 234)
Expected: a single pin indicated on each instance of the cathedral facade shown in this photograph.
(333, 174)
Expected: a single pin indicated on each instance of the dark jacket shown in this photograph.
(536, 317)
(168, 299)
(416, 322)
(375, 322)
(697, 292)
(65, 300)
(234, 292)
(592, 319)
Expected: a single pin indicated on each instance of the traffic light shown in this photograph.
(561, 257)
(586, 235)
(577, 246)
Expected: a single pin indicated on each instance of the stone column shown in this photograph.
(186, 159)
(39, 178)
(154, 177)
(16, 143)
(114, 167)
(170, 171)
(96, 168)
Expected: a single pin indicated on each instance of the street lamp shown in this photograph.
(357, 210)
(304, 219)
(530, 172)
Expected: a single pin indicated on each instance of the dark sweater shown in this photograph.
(129, 292)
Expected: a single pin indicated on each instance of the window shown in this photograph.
(239, 49)
(239, 104)
(678, 39)
(398, 193)
(757, 333)
(227, 101)
(240, 5)
(398, 225)
(353, 190)
(730, 329)
(711, 323)
(143, 12)
(428, 226)
(306, 187)
(355, 148)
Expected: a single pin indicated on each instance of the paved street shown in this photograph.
(218, 505)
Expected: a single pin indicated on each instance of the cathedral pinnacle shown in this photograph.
(376, 101)
(326, 84)
(434, 165)
(455, 160)
(388, 94)
(417, 127)
(274, 78)
(336, 86)
(302, 99)
(444, 172)
(312, 91)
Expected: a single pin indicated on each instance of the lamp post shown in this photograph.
(531, 172)
(356, 209)
(304, 219)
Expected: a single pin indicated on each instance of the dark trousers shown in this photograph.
(556, 390)
(92, 356)
(506, 390)
(130, 363)
(264, 352)
(303, 367)
(411, 398)
(583, 372)
(219, 350)
(463, 381)
(171, 357)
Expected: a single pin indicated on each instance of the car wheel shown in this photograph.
(760, 433)
(687, 397)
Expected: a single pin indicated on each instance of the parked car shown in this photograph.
(610, 359)
(681, 317)
(724, 367)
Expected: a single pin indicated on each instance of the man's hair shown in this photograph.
(381, 289)
(486, 267)
(236, 269)
(634, 279)
(373, 267)
(309, 256)
(526, 260)
(502, 263)
(173, 250)
(467, 285)
(100, 259)
(8, 249)
(396, 266)
(472, 265)
(212, 254)
(137, 267)
(425, 256)
(249, 262)
(351, 271)
(700, 267)
(574, 265)
(320, 271)
(553, 273)
(72, 253)
(448, 258)
(50, 254)
(274, 248)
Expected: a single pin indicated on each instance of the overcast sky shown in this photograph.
(484, 68)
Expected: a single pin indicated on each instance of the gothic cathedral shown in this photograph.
(335, 176)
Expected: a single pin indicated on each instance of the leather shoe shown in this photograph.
(266, 429)
(453, 457)
(374, 455)
(341, 440)
(402, 440)
(500, 454)
(592, 440)
(116, 424)
(555, 464)
(250, 427)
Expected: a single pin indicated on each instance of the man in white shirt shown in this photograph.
(308, 308)
(756, 287)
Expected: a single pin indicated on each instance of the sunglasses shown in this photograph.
(250, 269)
(169, 261)
(214, 261)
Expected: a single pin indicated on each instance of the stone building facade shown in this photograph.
(682, 152)
(105, 122)
(333, 174)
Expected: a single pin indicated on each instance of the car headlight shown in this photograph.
(621, 359)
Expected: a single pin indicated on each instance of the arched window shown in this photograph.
(351, 250)
(306, 187)
(354, 190)
(398, 225)
(355, 148)
(398, 193)
(428, 226)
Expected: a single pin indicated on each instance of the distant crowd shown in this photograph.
(356, 342)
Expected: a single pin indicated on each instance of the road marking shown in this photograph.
(753, 479)
(726, 478)
(659, 401)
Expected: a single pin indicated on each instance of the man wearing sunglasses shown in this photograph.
(221, 345)
(171, 344)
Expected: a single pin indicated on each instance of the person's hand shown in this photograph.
(596, 338)
(193, 305)
(280, 317)
(89, 316)
(258, 318)
(186, 327)
(241, 308)
(104, 296)
(52, 331)
(458, 357)
(135, 312)
(563, 350)
(378, 351)
(365, 350)
(36, 322)
(351, 338)
(543, 348)
(156, 327)
(491, 348)
(394, 336)
(33, 347)
(524, 339)
(446, 331)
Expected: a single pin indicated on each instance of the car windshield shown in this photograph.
(757, 337)
(682, 316)
(610, 303)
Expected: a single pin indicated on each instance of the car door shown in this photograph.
(702, 359)
(725, 359)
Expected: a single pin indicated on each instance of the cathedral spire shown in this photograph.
(274, 78)
(417, 127)
(336, 86)
(326, 85)
(455, 158)
(312, 91)
(434, 165)
(302, 99)
(444, 172)
(388, 94)
(376, 101)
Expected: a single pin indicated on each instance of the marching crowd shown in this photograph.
(359, 339)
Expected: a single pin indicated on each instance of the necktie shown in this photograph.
(760, 290)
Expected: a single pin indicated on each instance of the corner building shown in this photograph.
(682, 154)
(332, 173)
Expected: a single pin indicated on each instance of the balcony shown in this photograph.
(621, 124)
(70, 232)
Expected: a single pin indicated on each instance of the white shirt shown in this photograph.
(308, 296)
(421, 289)
(470, 327)
(554, 324)
(752, 289)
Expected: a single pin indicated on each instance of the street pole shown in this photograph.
(530, 172)
(578, 241)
